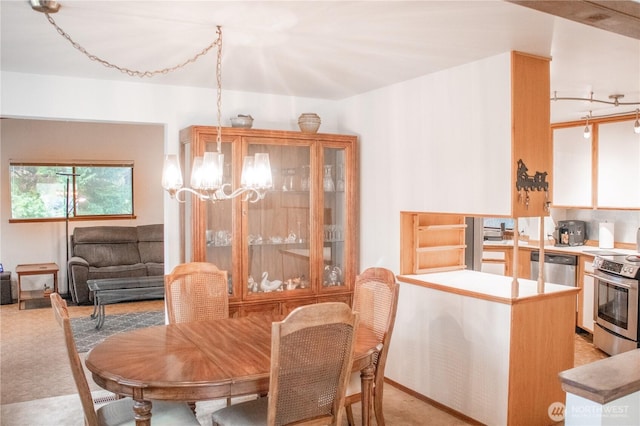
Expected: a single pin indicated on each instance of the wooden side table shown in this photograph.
(35, 269)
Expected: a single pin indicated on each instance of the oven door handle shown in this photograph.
(606, 280)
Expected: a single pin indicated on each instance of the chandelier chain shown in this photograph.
(218, 43)
(130, 72)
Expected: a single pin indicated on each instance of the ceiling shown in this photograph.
(331, 50)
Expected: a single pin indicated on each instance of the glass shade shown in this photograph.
(262, 168)
(171, 173)
(256, 172)
(207, 171)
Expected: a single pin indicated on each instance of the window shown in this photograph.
(39, 191)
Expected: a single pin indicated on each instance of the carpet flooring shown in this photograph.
(36, 386)
(86, 335)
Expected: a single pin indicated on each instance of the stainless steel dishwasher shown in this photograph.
(558, 268)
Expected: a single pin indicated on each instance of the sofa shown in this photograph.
(99, 252)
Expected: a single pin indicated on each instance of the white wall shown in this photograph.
(60, 98)
(62, 141)
(421, 146)
(441, 142)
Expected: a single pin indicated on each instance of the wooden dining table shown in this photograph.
(203, 360)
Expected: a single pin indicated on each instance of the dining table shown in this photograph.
(203, 360)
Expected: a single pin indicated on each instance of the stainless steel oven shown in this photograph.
(616, 303)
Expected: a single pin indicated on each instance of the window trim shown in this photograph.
(73, 164)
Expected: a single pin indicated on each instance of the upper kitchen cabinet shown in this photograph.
(296, 246)
(600, 172)
(532, 152)
(484, 126)
(618, 166)
(572, 168)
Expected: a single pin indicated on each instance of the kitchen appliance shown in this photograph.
(557, 268)
(616, 303)
(570, 233)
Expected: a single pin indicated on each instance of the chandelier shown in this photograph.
(207, 171)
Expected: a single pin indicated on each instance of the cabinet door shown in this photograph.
(219, 220)
(277, 228)
(572, 168)
(618, 165)
(587, 297)
(494, 262)
(334, 216)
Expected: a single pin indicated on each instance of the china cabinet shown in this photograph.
(298, 245)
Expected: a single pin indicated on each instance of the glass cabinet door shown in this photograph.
(277, 228)
(334, 217)
(219, 220)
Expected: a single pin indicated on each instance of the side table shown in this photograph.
(35, 269)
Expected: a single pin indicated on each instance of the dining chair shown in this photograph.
(120, 411)
(311, 358)
(196, 291)
(375, 298)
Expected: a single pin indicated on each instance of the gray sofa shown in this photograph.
(113, 252)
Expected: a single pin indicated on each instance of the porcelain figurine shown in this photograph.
(266, 285)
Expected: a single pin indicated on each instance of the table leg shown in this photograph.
(94, 315)
(366, 379)
(101, 316)
(142, 410)
(19, 292)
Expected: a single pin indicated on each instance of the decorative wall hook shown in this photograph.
(537, 182)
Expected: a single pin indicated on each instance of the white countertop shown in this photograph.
(578, 250)
(483, 285)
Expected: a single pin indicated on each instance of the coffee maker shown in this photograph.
(570, 233)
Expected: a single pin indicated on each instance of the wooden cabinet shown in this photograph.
(586, 297)
(432, 242)
(618, 166)
(602, 172)
(494, 260)
(296, 246)
(499, 260)
(531, 134)
(572, 170)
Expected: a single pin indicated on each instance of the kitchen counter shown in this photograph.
(605, 392)
(486, 286)
(577, 250)
(461, 340)
(605, 380)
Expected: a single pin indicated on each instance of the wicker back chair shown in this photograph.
(311, 359)
(196, 291)
(375, 297)
(119, 411)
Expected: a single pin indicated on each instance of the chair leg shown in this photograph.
(228, 402)
(377, 405)
(349, 411)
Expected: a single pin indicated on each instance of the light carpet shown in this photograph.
(67, 411)
(86, 335)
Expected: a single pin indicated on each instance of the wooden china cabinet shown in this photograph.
(303, 234)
